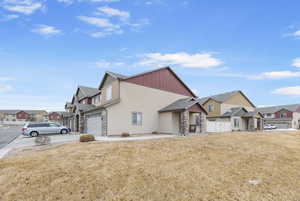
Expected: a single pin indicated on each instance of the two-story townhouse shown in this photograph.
(231, 111)
(81, 102)
(154, 101)
(282, 116)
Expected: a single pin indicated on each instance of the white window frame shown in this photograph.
(210, 108)
(109, 93)
(137, 118)
(236, 123)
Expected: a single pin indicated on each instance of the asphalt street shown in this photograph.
(8, 133)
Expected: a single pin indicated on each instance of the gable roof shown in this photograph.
(221, 98)
(114, 75)
(83, 107)
(86, 92)
(182, 104)
(127, 78)
(240, 112)
(163, 69)
(32, 112)
(273, 109)
(9, 111)
(237, 112)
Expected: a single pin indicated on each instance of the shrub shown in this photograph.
(125, 135)
(155, 132)
(42, 140)
(87, 138)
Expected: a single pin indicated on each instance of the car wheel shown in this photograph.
(34, 134)
(64, 131)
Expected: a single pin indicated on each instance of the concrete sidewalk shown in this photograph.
(23, 141)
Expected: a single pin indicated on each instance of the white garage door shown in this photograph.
(94, 125)
(218, 126)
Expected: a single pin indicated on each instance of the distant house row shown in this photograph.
(159, 101)
(29, 115)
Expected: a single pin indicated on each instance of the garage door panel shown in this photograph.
(94, 125)
(218, 126)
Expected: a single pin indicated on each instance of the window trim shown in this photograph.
(108, 92)
(210, 108)
(139, 122)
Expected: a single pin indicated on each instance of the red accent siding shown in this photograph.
(54, 116)
(162, 79)
(288, 114)
(196, 108)
(23, 115)
(86, 101)
(89, 101)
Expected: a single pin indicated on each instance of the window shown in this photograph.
(269, 115)
(109, 93)
(236, 123)
(210, 108)
(137, 118)
(283, 115)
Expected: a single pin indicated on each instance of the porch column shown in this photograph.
(184, 122)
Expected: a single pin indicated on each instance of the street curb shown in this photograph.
(5, 150)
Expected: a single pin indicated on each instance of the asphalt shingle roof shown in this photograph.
(27, 111)
(117, 75)
(238, 111)
(273, 109)
(219, 97)
(88, 91)
(180, 104)
(85, 107)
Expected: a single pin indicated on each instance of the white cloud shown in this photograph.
(106, 64)
(7, 79)
(296, 62)
(198, 60)
(6, 88)
(293, 91)
(112, 12)
(8, 17)
(46, 30)
(98, 22)
(276, 75)
(66, 1)
(26, 7)
(296, 33)
(106, 32)
(103, 1)
(93, 1)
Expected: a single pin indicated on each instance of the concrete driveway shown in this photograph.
(8, 133)
(24, 141)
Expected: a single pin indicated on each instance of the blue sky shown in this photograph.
(49, 47)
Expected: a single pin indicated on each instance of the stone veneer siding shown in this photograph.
(184, 122)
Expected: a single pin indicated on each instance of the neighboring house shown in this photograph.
(22, 115)
(282, 116)
(8, 115)
(154, 101)
(55, 116)
(231, 111)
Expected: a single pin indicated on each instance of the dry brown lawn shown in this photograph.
(216, 167)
